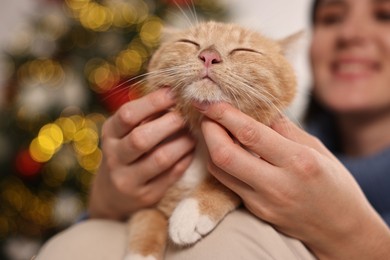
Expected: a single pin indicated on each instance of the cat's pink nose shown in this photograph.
(210, 57)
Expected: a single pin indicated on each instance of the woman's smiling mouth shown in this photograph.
(354, 68)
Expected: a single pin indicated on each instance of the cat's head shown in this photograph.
(215, 62)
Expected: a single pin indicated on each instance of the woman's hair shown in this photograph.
(313, 11)
(314, 106)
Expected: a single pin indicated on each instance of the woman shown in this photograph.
(301, 188)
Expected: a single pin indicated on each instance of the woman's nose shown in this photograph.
(354, 29)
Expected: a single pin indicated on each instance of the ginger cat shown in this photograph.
(210, 62)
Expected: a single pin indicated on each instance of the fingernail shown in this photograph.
(170, 94)
(201, 106)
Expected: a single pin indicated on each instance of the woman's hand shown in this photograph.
(146, 148)
(295, 183)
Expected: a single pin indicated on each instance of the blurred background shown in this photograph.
(65, 66)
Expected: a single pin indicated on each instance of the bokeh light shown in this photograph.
(82, 132)
(150, 31)
(129, 62)
(85, 141)
(45, 71)
(101, 16)
(77, 5)
(47, 143)
(26, 165)
(91, 161)
(124, 15)
(68, 128)
(96, 17)
(101, 74)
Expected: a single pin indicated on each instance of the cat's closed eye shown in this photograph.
(189, 42)
(245, 50)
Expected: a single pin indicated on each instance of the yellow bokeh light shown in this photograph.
(90, 162)
(37, 153)
(102, 75)
(52, 132)
(46, 144)
(105, 77)
(76, 5)
(80, 131)
(137, 45)
(124, 15)
(42, 71)
(101, 16)
(89, 123)
(68, 128)
(78, 121)
(129, 62)
(96, 17)
(86, 141)
(50, 138)
(142, 10)
(150, 31)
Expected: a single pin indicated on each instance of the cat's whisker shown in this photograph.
(193, 11)
(135, 78)
(181, 17)
(234, 80)
(255, 94)
(237, 103)
(188, 19)
(266, 96)
(167, 76)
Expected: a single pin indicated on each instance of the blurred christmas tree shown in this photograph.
(66, 73)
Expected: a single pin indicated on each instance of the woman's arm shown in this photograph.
(139, 162)
(295, 183)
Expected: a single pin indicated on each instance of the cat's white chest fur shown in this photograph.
(197, 171)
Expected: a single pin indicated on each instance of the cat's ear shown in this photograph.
(293, 43)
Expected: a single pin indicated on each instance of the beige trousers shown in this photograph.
(239, 236)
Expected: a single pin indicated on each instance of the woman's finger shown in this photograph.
(133, 113)
(256, 137)
(236, 185)
(144, 137)
(162, 158)
(158, 186)
(231, 157)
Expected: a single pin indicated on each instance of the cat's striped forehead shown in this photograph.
(224, 33)
(227, 36)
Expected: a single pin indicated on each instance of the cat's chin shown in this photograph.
(204, 90)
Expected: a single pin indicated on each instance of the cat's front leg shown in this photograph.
(201, 212)
(147, 235)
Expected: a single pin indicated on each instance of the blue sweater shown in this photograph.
(372, 172)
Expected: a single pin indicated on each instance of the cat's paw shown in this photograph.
(130, 256)
(187, 225)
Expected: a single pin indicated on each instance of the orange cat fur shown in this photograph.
(210, 62)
